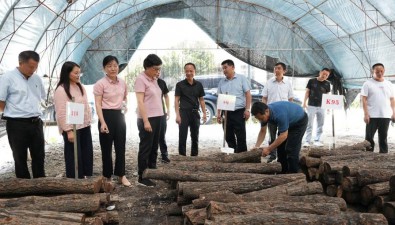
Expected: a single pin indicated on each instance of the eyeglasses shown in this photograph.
(156, 68)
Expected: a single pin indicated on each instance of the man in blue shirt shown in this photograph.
(21, 92)
(236, 85)
(291, 121)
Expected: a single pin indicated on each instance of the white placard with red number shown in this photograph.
(332, 101)
(226, 102)
(74, 113)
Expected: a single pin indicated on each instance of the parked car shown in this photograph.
(210, 84)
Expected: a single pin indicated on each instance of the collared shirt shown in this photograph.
(237, 86)
(60, 101)
(189, 94)
(22, 96)
(152, 95)
(113, 92)
(284, 115)
(277, 91)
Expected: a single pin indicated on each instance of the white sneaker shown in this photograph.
(318, 144)
(306, 144)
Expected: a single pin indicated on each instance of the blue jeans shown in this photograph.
(312, 112)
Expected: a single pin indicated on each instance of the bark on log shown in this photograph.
(220, 196)
(192, 190)
(310, 161)
(252, 156)
(343, 150)
(311, 173)
(357, 155)
(372, 176)
(353, 168)
(370, 191)
(182, 175)
(47, 185)
(296, 188)
(237, 208)
(196, 216)
(93, 221)
(389, 211)
(60, 216)
(22, 220)
(63, 203)
(299, 218)
(217, 167)
(329, 178)
(350, 184)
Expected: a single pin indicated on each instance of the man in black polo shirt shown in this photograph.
(163, 120)
(189, 93)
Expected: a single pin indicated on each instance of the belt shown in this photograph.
(26, 120)
(190, 110)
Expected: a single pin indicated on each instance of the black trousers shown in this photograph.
(288, 151)
(115, 121)
(191, 119)
(162, 136)
(380, 124)
(23, 135)
(273, 135)
(85, 153)
(148, 146)
(236, 130)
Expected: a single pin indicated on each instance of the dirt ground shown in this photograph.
(142, 205)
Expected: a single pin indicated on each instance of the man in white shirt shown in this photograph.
(276, 89)
(378, 106)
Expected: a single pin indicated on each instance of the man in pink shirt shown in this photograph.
(149, 113)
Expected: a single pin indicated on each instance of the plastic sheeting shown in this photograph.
(347, 35)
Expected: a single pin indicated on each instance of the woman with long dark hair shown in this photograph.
(110, 99)
(69, 86)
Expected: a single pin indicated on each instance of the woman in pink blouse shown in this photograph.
(69, 86)
(110, 98)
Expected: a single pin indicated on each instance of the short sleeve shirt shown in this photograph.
(152, 95)
(22, 96)
(189, 94)
(378, 96)
(317, 89)
(113, 92)
(237, 86)
(277, 91)
(284, 115)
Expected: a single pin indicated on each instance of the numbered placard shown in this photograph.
(332, 101)
(226, 102)
(75, 113)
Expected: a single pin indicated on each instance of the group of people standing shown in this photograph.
(21, 92)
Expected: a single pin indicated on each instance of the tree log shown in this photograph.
(192, 190)
(63, 203)
(379, 201)
(350, 184)
(295, 188)
(49, 185)
(220, 196)
(60, 216)
(217, 167)
(389, 211)
(196, 216)
(352, 168)
(311, 173)
(182, 175)
(343, 150)
(370, 191)
(93, 221)
(331, 190)
(252, 156)
(299, 218)
(310, 161)
(237, 208)
(372, 176)
(352, 197)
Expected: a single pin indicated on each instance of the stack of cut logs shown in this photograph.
(48, 201)
(235, 189)
(359, 176)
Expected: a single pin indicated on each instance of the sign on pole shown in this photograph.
(226, 102)
(75, 115)
(332, 102)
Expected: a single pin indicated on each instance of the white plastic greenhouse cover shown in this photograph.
(347, 35)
